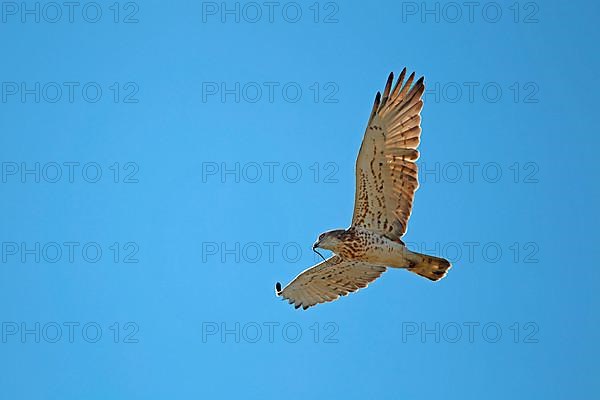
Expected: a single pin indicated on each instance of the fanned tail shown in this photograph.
(430, 267)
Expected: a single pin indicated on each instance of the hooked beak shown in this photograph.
(314, 248)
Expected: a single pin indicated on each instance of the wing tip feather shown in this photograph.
(375, 106)
(388, 84)
(390, 79)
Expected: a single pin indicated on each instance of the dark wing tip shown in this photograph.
(390, 79)
(375, 106)
(388, 88)
(278, 288)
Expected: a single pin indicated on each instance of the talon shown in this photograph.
(277, 288)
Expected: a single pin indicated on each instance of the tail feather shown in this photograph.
(430, 267)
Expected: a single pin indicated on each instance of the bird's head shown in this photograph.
(329, 240)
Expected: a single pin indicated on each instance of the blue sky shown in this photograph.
(160, 173)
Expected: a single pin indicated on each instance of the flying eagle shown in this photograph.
(386, 182)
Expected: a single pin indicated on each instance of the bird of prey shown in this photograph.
(386, 182)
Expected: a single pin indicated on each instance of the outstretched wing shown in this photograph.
(328, 280)
(386, 172)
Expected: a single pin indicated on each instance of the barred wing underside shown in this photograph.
(386, 172)
(329, 280)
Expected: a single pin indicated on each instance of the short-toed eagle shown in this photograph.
(386, 182)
